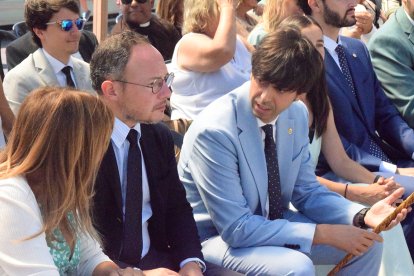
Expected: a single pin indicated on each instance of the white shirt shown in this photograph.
(57, 67)
(330, 46)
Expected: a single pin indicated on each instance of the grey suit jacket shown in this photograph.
(392, 53)
(223, 168)
(35, 71)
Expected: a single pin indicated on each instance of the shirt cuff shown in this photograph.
(387, 167)
(197, 260)
(412, 156)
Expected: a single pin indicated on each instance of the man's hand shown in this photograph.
(364, 22)
(380, 210)
(345, 237)
(190, 269)
(372, 193)
(406, 171)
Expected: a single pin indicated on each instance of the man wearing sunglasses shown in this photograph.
(140, 206)
(137, 16)
(56, 28)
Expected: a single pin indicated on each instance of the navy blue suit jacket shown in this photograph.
(368, 115)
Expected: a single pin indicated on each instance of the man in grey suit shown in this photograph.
(392, 54)
(240, 182)
(55, 26)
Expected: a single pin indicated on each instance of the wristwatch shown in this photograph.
(359, 219)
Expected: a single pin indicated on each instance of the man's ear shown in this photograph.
(39, 33)
(315, 5)
(108, 89)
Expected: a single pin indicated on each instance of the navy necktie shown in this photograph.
(344, 67)
(69, 81)
(132, 239)
(374, 148)
(274, 191)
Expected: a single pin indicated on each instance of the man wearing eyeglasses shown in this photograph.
(140, 206)
(137, 16)
(55, 26)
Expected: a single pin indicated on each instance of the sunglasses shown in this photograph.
(128, 2)
(67, 24)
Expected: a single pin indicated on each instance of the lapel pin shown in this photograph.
(354, 55)
(290, 130)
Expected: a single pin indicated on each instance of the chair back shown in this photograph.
(5, 38)
(20, 28)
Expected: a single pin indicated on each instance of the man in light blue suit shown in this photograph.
(392, 53)
(224, 170)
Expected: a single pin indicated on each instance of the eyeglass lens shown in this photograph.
(68, 24)
(159, 83)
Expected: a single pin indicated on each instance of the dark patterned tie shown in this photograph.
(374, 148)
(274, 191)
(69, 81)
(132, 239)
(344, 67)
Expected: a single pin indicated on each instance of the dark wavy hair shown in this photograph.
(288, 61)
(318, 99)
(39, 12)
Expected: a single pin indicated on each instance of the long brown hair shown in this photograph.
(57, 143)
(172, 11)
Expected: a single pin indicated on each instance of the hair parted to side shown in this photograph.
(109, 60)
(198, 14)
(57, 143)
(39, 12)
(318, 98)
(288, 61)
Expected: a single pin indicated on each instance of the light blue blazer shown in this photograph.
(35, 71)
(223, 168)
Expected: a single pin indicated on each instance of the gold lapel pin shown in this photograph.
(290, 130)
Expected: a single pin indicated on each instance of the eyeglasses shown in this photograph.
(128, 2)
(67, 24)
(157, 84)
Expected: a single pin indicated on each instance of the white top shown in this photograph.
(20, 217)
(193, 91)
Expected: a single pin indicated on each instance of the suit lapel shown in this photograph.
(80, 75)
(338, 79)
(284, 143)
(44, 69)
(359, 75)
(110, 175)
(252, 145)
(406, 25)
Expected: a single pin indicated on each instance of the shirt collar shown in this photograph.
(409, 17)
(120, 132)
(260, 122)
(57, 65)
(331, 44)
